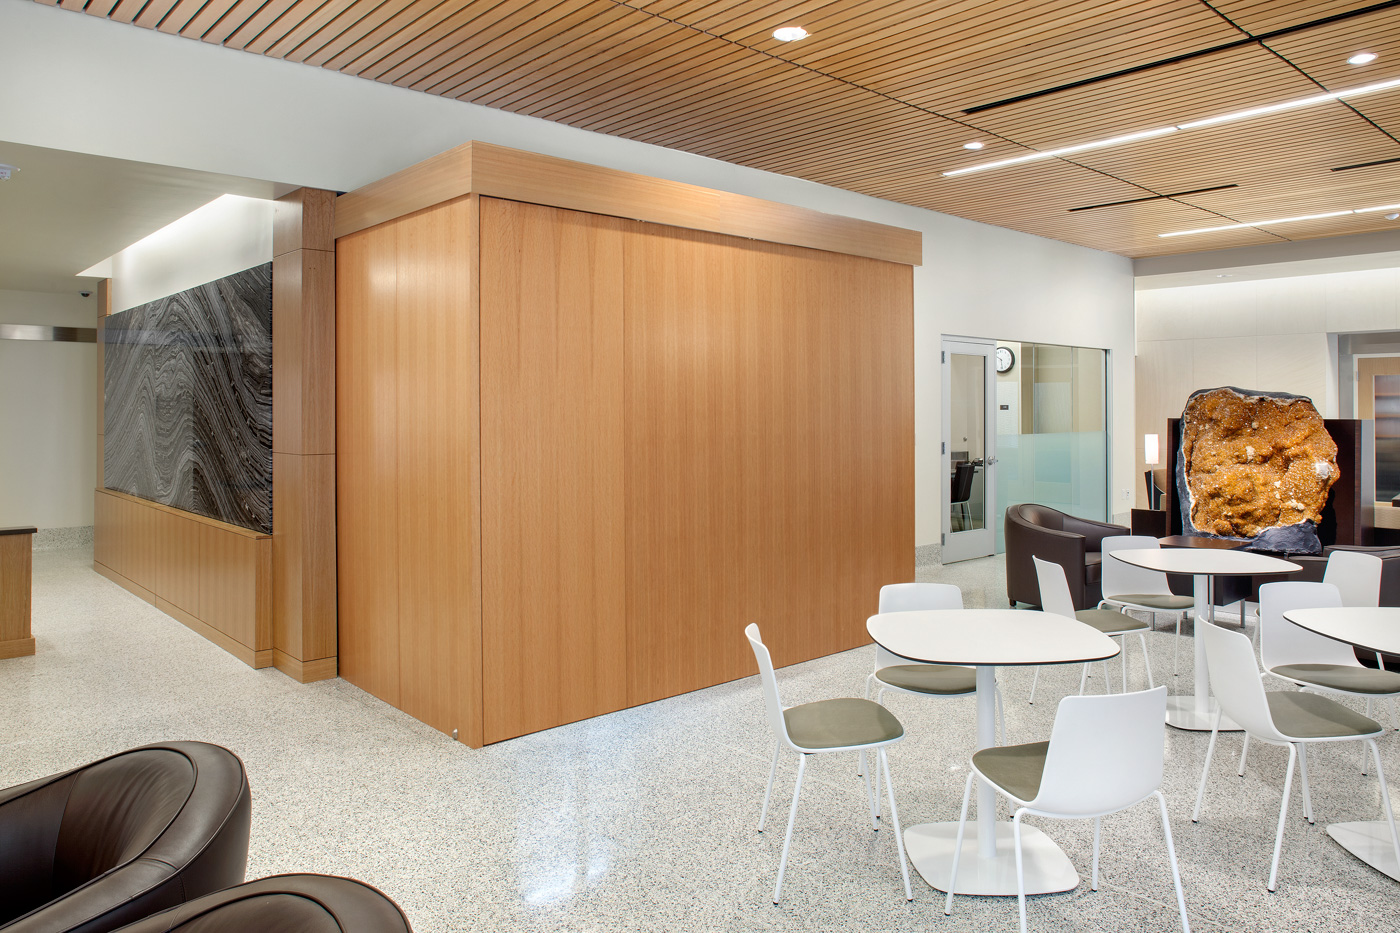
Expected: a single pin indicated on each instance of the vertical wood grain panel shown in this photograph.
(769, 452)
(177, 561)
(553, 554)
(16, 582)
(228, 598)
(367, 469)
(437, 518)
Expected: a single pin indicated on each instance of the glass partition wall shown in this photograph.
(1051, 430)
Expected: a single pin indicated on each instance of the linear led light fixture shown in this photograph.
(1282, 220)
(1194, 124)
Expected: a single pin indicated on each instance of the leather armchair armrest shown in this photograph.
(1093, 532)
(30, 818)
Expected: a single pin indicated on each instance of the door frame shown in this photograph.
(979, 542)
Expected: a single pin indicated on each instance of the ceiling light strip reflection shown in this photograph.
(1194, 124)
(1281, 220)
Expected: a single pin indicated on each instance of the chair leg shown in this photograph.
(898, 832)
(1171, 857)
(1123, 663)
(1001, 713)
(1205, 772)
(1385, 798)
(1303, 773)
(1020, 869)
(772, 774)
(957, 847)
(1244, 752)
(1083, 676)
(1094, 884)
(1363, 748)
(792, 819)
(1283, 812)
(860, 765)
(870, 797)
(1146, 661)
(1034, 681)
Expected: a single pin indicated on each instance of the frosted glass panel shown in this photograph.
(1065, 471)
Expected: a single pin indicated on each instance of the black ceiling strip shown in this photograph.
(1238, 43)
(1347, 168)
(1155, 197)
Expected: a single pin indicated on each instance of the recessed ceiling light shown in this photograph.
(790, 33)
(973, 145)
(1226, 275)
(1392, 216)
(1362, 58)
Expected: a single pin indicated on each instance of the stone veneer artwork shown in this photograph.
(1255, 466)
(187, 383)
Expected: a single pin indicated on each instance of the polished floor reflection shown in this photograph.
(645, 819)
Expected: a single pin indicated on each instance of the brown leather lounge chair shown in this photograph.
(1073, 543)
(103, 845)
(286, 904)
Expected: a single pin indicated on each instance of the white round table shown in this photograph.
(1198, 712)
(988, 639)
(1371, 629)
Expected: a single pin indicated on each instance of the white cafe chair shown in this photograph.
(1104, 755)
(1127, 586)
(1280, 718)
(847, 724)
(1357, 576)
(1055, 597)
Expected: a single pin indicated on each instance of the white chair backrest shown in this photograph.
(1105, 753)
(1282, 642)
(1235, 679)
(771, 700)
(912, 597)
(1356, 575)
(1120, 578)
(1054, 588)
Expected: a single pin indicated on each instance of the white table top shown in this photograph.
(1206, 561)
(989, 637)
(1365, 627)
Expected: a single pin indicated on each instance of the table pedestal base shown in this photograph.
(1182, 713)
(1047, 868)
(1368, 841)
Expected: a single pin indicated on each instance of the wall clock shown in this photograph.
(1005, 359)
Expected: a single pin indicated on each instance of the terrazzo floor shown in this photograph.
(646, 819)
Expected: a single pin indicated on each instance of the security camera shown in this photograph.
(85, 294)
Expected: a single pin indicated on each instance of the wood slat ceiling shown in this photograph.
(882, 95)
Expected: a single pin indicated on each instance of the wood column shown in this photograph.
(303, 436)
(16, 578)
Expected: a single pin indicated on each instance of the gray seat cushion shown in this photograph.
(840, 723)
(1016, 769)
(1110, 622)
(1155, 601)
(1309, 716)
(935, 679)
(1342, 677)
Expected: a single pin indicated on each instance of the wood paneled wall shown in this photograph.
(16, 583)
(769, 446)
(552, 449)
(303, 435)
(407, 465)
(214, 577)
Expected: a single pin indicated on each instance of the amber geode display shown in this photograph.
(1255, 465)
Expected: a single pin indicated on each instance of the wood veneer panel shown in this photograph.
(228, 602)
(769, 452)
(441, 178)
(303, 365)
(177, 560)
(303, 592)
(367, 502)
(553, 554)
(437, 518)
(16, 581)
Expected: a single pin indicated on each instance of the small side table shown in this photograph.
(16, 578)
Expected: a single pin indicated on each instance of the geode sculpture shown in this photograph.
(1255, 466)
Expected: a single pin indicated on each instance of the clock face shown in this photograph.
(1005, 359)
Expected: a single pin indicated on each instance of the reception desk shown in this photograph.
(16, 577)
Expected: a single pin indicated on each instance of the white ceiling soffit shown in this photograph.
(64, 211)
(1379, 250)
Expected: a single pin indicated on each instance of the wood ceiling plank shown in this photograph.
(179, 16)
(153, 12)
(275, 31)
(357, 22)
(398, 18)
(1322, 52)
(461, 27)
(1262, 16)
(125, 11)
(231, 21)
(207, 18)
(266, 15)
(328, 12)
(101, 8)
(387, 45)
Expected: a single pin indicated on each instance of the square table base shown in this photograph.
(1184, 713)
(1047, 869)
(1368, 840)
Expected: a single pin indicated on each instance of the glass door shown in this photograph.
(968, 449)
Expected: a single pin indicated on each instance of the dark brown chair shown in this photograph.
(1073, 543)
(103, 845)
(285, 904)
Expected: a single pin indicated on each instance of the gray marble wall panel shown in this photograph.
(188, 400)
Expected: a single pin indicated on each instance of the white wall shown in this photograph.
(48, 414)
(1270, 334)
(70, 81)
